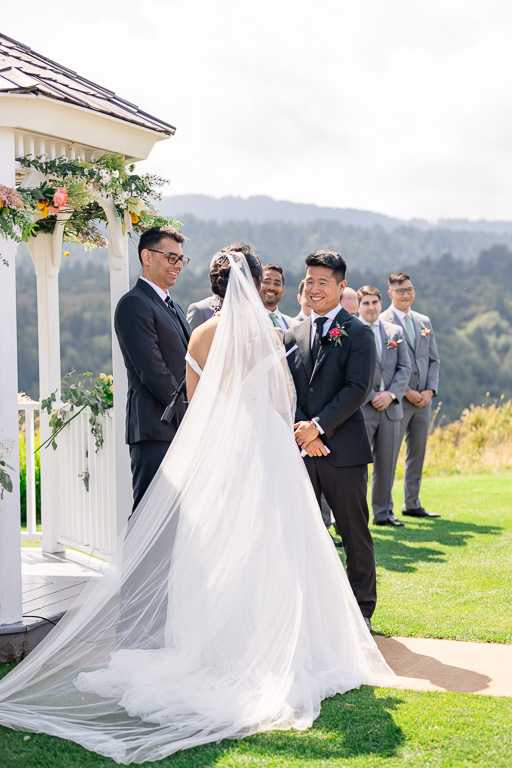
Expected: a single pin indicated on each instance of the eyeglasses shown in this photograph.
(171, 257)
(403, 291)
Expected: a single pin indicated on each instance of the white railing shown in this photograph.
(29, 407)
(83, 513)
(85, 518)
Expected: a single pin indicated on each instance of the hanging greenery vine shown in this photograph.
(75, 185)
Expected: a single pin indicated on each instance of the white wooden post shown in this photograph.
(119, 285)
(46, 252)
(10, 549)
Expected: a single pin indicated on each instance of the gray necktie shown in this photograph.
(375, 329)
(274, 319)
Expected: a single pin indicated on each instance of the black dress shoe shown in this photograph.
(419, 512)
(391, 520)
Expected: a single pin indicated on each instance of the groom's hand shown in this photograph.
(305, 432)
(316, 448)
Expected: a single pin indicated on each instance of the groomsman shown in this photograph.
(271, 292)
(305, 309)
(201, 311)
(423, 384)
(332, 365)
(383, 407)
(349, 300)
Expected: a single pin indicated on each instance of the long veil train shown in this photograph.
(230, 612)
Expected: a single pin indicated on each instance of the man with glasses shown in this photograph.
(153, 334)
(423, 385)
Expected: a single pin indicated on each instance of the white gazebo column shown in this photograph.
(119, 285)
(10, 551)
(46, 252)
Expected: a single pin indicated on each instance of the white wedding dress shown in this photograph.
(231, 613)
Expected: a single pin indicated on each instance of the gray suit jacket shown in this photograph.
(201, 311)
(424, 355)
(394, 368)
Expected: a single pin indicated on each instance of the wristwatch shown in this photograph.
(393, 396)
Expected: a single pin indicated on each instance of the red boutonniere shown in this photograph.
(336, 334)
(425, 331)
(392, 343)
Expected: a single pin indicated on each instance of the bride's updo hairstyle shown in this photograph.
(220, 267)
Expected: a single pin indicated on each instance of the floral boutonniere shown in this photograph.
(425, 331)
(336, 334)
(392, 343)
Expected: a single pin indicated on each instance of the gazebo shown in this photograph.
(51, 112)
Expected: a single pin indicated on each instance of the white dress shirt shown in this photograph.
(279, 318)
(330, 319)
(160, 291)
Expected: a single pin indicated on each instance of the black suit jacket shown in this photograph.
(153, 343)
(334, 389)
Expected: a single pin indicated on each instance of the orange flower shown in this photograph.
(134, 218)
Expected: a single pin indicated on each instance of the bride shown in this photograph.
(231, 613)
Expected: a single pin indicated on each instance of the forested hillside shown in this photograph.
(469, 301)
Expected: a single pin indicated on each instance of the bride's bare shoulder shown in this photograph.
(201, 339)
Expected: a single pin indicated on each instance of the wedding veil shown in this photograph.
(229, 611)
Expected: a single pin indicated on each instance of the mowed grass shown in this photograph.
(449, 577)
(368, 728)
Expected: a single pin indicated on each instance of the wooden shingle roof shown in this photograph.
(24, 72)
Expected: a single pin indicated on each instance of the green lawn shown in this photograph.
(449, 577)
(369, 728)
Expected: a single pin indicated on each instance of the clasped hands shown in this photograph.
(419, 399)
(307, 438)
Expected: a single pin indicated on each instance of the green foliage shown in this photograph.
(74, 185)
(75, 398)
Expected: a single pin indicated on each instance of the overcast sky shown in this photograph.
(396, 106)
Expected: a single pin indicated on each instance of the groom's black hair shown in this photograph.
(152, 236)
(331, 260)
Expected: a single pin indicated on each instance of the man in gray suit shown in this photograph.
(271, 292)
(201, 311)
(383, 407)
(423, 385)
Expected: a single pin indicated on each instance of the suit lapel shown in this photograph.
(171, 317)
(303, 339)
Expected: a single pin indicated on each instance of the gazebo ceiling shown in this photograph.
(40, 97)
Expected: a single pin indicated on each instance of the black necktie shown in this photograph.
(317, 341)
(172, 308)
(170, 304)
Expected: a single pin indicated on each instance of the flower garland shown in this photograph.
(75, 185)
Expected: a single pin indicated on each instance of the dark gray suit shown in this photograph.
(392, 373)
(153, 340)
(333, 390)
(201, 311)
(415, 422)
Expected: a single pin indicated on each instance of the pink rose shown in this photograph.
(335, 332)
(60, 197)
(393, 344)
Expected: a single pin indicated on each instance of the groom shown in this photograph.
(332, 368)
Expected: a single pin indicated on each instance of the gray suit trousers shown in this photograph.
(383, 434)
(414, 427)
